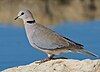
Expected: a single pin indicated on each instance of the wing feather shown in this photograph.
(47, 39)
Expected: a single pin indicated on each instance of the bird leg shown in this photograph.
(48, 58)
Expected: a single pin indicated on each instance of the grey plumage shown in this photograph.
(46, 40)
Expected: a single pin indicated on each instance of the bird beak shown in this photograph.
(16, 18)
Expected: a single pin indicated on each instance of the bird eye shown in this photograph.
(22, 13)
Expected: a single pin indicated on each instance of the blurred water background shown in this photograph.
(15, 49)
(77, 20)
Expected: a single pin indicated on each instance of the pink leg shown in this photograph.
(48, 58)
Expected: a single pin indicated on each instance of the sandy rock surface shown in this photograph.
(59, 65)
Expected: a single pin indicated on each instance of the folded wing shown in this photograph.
(47, 39)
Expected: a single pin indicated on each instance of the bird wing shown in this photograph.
(72, 42)
(47, 39)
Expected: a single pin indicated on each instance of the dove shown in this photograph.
(47, 40)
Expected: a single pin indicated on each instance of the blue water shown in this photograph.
(15, 49)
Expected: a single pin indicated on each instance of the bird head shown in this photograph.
(25, 15)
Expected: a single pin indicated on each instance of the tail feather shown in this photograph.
(87, 52)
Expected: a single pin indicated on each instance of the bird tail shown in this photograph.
(87, 52)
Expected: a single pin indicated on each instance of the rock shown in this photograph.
(60, 65)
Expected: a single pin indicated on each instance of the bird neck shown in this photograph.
(30, 21)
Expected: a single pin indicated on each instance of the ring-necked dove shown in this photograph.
(46, 40)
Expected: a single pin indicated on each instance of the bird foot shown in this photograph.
(47, 59)
(50, 58)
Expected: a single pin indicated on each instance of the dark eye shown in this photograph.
(22, 13)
